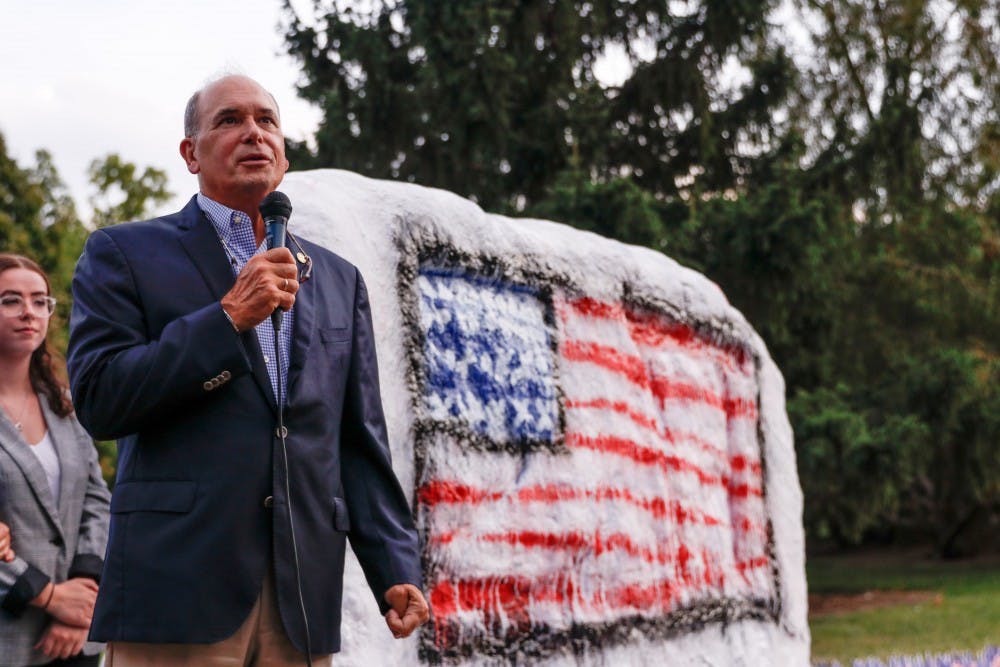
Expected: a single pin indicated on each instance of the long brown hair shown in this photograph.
(42, 368)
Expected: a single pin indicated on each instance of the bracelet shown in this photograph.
(52, 592)
(230, 318)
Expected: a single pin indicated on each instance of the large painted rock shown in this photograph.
(595, 442)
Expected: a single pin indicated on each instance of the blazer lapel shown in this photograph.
(64, 440)
(13, 442)
(302, 332)
(202, 244)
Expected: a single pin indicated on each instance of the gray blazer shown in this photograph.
(51, 542)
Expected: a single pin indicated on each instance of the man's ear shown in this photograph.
(187, 152)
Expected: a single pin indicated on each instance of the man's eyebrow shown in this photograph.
(231, 111)
(268, 111)
(227, 111)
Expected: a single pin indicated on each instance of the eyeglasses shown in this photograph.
(14, 305)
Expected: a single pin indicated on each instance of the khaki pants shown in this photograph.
(260, 642)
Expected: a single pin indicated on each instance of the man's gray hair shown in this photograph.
(192, 119)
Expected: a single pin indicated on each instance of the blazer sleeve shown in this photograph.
(20, 583)
(382, 532)
(92, 539)
(121, 377)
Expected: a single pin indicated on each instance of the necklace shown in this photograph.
(18, 423)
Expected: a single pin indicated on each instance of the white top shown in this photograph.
(45, 450)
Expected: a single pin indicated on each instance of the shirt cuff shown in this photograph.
(86, 565)
(27, 587)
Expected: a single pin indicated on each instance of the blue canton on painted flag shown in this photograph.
(488, 357)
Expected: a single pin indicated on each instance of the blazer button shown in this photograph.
(56, 541)
(281, 432)
(269, 502)
(207, 385)
(225, 375)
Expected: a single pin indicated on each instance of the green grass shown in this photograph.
(965, 617)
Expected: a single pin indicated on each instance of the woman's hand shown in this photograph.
(6, 553)
(61, 641)
(71, 602)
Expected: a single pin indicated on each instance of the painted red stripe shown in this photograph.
(653, 457)
(511, 595)
(577, 543)
(665, 389)
(634, 369)
(652, 331)
(737, 462)
(605, 356)
(492, 595)
(745, 525)
(622, 408)
(656, 335)
(590, 307)
(752, 563)
(580, 544)
(445, 492)
(740, 463)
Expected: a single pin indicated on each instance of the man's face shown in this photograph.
(238, 152)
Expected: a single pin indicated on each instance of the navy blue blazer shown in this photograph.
(199, 508)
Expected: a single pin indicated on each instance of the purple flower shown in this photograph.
(989, 657)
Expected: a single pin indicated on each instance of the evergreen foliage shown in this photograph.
(497, 99)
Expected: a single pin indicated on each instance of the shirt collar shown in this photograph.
(223, 218)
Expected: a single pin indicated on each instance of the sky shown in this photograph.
(84, 78)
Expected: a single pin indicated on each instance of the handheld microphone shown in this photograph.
(275, 209)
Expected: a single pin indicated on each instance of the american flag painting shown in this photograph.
(588, 468)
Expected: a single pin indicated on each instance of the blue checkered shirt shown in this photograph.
(235, 230)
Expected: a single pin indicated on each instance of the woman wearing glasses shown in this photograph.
(52, 495)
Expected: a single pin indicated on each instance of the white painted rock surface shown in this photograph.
(594, 440)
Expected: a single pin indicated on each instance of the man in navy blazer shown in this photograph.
(172, 352)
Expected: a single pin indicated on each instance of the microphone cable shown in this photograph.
(282, 432)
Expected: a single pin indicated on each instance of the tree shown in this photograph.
(496, 99)
(123, 194)
(38, 219)
(856, 472)
(902, 99)
(952, 392)
(898, 106)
